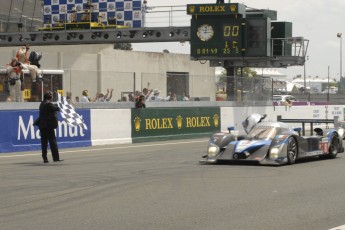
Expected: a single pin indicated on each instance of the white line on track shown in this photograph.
(106, 148)
(338, 228)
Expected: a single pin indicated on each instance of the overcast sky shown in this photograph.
(316, 20)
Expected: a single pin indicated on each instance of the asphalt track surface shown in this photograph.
(161, 185)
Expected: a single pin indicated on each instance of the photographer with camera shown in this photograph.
(14, 70)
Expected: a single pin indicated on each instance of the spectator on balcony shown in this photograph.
(155, 96)
(85, 98)
(101, 97)
(185, 97)
(14, 70)
(140, 103)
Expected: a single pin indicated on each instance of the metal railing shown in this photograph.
(156, 16)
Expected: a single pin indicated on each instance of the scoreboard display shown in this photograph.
(216, 37)
(220, 31)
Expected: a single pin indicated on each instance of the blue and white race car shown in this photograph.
(272, 143)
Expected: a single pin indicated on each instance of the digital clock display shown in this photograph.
(218, 37)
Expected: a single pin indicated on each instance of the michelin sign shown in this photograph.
(18, 133)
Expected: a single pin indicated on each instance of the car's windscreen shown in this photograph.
(263, 132)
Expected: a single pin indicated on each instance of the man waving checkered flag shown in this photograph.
(68, 114)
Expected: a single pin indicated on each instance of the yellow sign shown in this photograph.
(216, 9)
(167, 122)
(60, 91)
(159, 123)
(26, 93)
(212, 9)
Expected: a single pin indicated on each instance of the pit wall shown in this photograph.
(123, 126)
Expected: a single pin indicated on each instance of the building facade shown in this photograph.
(97, 68)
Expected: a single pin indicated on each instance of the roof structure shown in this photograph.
(269, 72)
(313, 80)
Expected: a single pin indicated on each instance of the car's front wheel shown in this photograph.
(292, 150)
(333, 147)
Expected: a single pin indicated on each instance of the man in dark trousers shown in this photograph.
(47, 123)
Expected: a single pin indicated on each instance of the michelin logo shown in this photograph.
(27, 131)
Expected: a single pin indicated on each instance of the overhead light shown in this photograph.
(81, 37)
(72, 35)
(118, 35)
(150, 32)
(171, 34)
(9, 39)
(21, 38)
(46, 36)
(33, 37)
(339, 35)
(96, 34)
(144, 35)
(185, 33)
(56, 37)
(158, 34)
(131, 34)
(106, 36)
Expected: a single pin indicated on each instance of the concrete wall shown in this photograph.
(111, 126)
(115, 126)
(233, 116)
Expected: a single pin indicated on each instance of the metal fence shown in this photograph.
(243, 90)
(233, 88)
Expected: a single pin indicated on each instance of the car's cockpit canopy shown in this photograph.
(268, 130)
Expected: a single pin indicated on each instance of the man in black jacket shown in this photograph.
(47, 123)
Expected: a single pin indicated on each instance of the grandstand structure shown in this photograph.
(24, 21)
(33, 22)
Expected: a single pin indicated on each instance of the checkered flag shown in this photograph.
(68, 114)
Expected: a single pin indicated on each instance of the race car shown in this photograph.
(272, 143)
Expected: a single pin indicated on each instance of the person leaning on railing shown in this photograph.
(85, 98)
(14, 70)
(140, 102)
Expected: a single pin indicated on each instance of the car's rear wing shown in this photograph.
(335, 121)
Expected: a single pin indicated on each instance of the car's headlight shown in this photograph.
(212, 151)
(274, 152)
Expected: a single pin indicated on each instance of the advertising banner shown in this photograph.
(19, 134)
(152, 124)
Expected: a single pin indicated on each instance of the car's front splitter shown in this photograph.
(280, 161)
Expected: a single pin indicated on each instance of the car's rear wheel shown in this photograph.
(292, 150)
(333, 147)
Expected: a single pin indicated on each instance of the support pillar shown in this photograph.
(230, 84)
